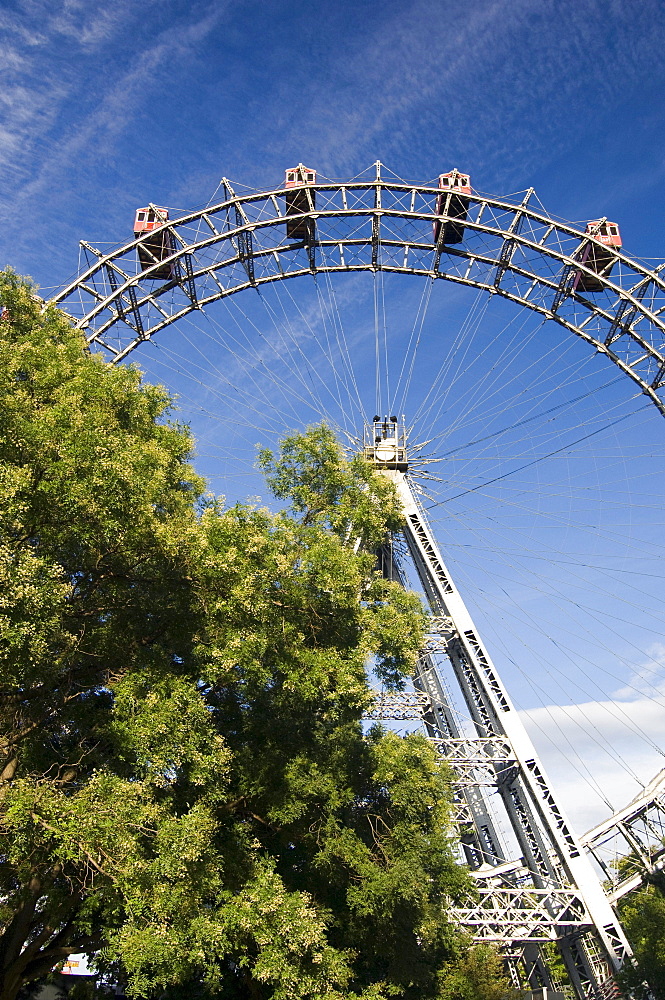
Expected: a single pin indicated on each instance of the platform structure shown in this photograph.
(629, 846)
(537, 884)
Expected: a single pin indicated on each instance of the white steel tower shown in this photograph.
(548, 890)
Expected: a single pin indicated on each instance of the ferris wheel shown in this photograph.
(500, 411)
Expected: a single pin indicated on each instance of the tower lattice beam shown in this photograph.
(549, 891)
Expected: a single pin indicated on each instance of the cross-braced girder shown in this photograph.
(514, 914)
(401, 706)
(510, 249)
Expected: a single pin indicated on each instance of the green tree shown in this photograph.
(186, 787)
(477, 975)
(643, 917)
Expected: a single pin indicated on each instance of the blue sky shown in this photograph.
(107, 107)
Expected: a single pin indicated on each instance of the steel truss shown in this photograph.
(550, 891)
(513, 249)
(629, 847)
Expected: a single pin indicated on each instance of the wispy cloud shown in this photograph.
(71, 89)
(40, 74)
(511, 85)
(648, 677)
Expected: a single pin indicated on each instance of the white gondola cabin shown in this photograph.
(158, 246)
(385, 443)
(453, 203)
(300, 197)
(600, 259)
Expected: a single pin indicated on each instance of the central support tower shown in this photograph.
(540, 887)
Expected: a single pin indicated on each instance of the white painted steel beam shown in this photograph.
(552, 892)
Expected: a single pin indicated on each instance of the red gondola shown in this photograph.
(159, 246)
(453, 202)
(300, 198)
(599, 259)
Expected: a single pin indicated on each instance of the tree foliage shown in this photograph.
(643, 918)
(186, 788)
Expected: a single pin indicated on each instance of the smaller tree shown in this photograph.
(345, 495)
(643, 918)
(476, 975)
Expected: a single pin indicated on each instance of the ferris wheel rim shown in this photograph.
(124, 295)
(630, 298)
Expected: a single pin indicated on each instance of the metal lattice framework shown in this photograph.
(512, 249)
